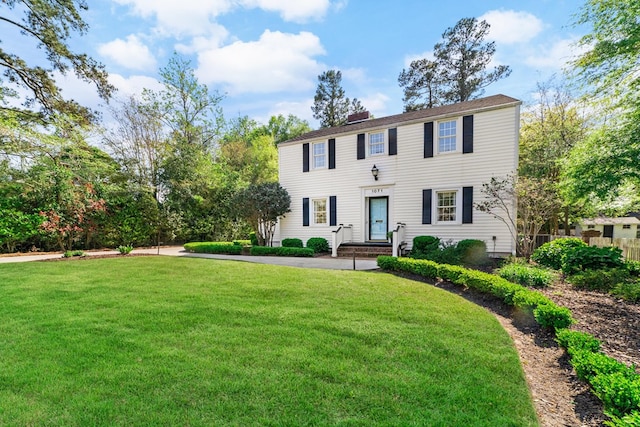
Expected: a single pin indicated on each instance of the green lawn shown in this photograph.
(176, 341)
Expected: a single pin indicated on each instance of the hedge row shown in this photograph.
(281, 251)
(213, 248)
(616, 384)
(547, 313)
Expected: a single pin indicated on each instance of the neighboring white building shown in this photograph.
(627, 227)
(430, 167)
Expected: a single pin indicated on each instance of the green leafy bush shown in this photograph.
(631, 419)
(447, 254)
(627, 291)
(292, 243)
(552, 316)
(69, 254)
(425, 244)
(599, 280)
(318, 244)
(125, 249)
(588, 365)
(550, 254)
(591, 258)
(472, 252)
(574, 341)
(213, 248)
(281, 251)
(619, 392)
(633, 267)
(527, 275)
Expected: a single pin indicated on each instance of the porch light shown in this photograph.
(374, 172)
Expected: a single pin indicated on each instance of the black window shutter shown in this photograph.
(428, 140)
(333, 213)
(467, 205)
(361, 151)
(332, 153)
(467, 134)
(426, 206)
(305, 212)
(305, 157)
(393, 141)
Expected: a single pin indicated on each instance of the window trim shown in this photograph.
(323, 156)
(436, 136)
(383, 143)
(436, 205)
(312, 211)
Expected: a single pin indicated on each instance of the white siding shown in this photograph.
(403, 177)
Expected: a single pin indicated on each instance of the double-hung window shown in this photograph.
(447, 136)
(446, 210)
(319, 155)
(376, 143)
(319, 211)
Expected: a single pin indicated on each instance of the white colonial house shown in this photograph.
(417, 173)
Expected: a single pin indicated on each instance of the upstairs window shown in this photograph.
(626, 226)
(376, 143)
(319, 155)
(447, 136)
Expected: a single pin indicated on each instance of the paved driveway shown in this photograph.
(326, 263)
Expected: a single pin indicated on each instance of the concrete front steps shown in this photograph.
(364, 250)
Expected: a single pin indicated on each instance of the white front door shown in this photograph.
(378, 218)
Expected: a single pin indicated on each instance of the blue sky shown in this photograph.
(265, 55)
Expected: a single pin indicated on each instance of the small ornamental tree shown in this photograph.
(261, 205)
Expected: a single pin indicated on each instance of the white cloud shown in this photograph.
(130, 53)
(133, 85)
(511, 27)
(554, 56)
(194, 17)
(276, 62)
(217, 36)
(186, 17)
(376, 104)
(300, 109)
(356, 75)
(292, 10)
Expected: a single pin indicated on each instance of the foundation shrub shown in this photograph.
(472, 252)
(318, 244)
(292, 243)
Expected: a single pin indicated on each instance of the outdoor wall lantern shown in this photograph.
(374, 172)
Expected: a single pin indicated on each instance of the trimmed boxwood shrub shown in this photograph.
(242, 242)
(574, 341)
(550, 254)
(292, 243)
(213, 248)
(527, 275)
(318, 244)
(472, 252)
(253, 238)
(425, 244)
(281, 251)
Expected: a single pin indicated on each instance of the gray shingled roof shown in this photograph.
(489, 102)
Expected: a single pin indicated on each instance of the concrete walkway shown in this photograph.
(326, 263)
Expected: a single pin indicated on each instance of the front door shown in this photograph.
(378, 213)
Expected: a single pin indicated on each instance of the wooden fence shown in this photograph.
(630, 247)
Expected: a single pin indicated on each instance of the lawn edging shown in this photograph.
(614, 383)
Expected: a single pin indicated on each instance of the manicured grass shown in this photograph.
(174, 341)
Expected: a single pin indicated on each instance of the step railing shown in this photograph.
(344, 234)
(397, 239)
